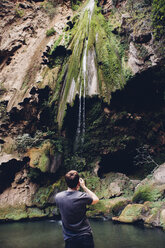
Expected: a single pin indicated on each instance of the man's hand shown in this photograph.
(82, 183)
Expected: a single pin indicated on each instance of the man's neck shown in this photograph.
(69, 189)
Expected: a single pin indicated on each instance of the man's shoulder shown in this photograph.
(60, 194)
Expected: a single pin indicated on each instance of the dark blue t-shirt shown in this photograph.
(72, 205)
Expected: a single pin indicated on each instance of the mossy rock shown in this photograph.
(45, 195)
(13, 213)
(107, 207)
(36, 213)
(131, 213)
(99, 210)
(40, 157)
(119, 205)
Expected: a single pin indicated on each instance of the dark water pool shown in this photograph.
(48, 234)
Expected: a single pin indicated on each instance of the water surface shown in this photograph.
(48, 234)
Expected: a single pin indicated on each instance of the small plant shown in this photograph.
(19, 13)
(50, 7)
(75, 4)
(75, 163)
(146, 193)
(50, 32)
(143, 157)
(3, 90)
(25, 141)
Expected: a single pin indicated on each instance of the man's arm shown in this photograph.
(94, 197)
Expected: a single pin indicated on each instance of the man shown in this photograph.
(72, 204)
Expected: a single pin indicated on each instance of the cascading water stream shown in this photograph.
(80, 132)
(84, 74)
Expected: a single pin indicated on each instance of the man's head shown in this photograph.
(72, 179)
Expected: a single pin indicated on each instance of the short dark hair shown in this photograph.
(72, 179)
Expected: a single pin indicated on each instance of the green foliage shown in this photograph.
(158, 18)
(56, 44)
(33, 174)
(40, 199)
(3, 90)
(25, 141)
(50, 32)
(19, 12)
(75, 162)
(98, 210)
(118, 207)
(49, 7)
(146, 193)
(75, 4)
(110, 72)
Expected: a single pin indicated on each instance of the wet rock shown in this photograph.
(45, 158)
(159, 175)
(131, 213)
(162, 218)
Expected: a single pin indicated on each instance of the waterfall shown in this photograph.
(79, 114)
(87, 81)
(84, 75)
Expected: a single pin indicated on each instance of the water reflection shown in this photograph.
(48, 234)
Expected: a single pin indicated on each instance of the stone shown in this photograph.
(159, 175)
(131, 213)
(114, 189)
(162, 218)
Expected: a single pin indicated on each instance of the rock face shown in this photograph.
(20, 193)
(24, 27)
(150, 192)
(143, 51)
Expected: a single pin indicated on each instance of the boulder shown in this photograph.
(131, 213)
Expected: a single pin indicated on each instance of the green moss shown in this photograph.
(146, 193)
(119, 206)
(40, 157)
(3, 90)
(59, 185)
(112, 69)
(56, 44)
(13, 213)
(75, 4)
(99, 210)
(93, 182)
(110, 72)
(130, 214)
(50, 32)
(44, 163)
(41, 198)
(158, 18)
(36, 213)
(74, 63)
(19, 13)
(75, 162)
